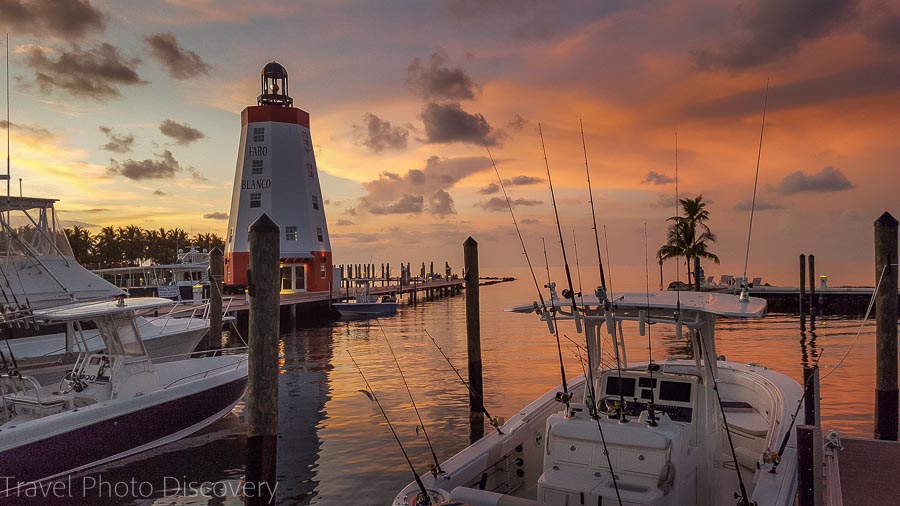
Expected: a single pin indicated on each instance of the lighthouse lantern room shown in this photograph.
(276, 174)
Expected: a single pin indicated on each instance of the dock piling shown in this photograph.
(809, 466)
(886, 393)
(216, 276)
(262, 394)
(813, 303)
(473, 340)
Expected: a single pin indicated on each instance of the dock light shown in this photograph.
(823, 281)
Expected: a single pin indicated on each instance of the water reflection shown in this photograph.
(335, 447)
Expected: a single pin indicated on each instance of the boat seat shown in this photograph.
(30, 400)
(747, 421)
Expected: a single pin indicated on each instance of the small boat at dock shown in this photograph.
(701, 431)
(113, 403)
(365, 304)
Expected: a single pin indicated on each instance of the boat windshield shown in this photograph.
(120, 336)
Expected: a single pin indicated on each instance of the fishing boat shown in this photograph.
(112, 403)
(704, 431)
(172, 281)
(365, 304)
(38, 270)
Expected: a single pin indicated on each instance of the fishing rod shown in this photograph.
(790, 429)
(587, 169)
(551, 321)
(552, 287)
(650, 366)
(592, 408)
(562, 243)
(484, 410)
(745, 285)
(436, 469)
(622, 416)
(424, 499)
(744, 499)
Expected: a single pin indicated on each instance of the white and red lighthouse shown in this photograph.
(276, 174)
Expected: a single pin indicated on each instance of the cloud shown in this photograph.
(180, 63)
(96, 73)
(441, 204)
(883, 26)
(879, 78)
(523, 181)
(517, 123)
(344, 223)
(165, 166)
(827, 180)
(655, 178)
(216, 216)
(65, 19)
(406, 204)
(777, 29)
(446, 123)
(437, 174)
(744, 205)
(378, 134)
(433, 80)
(95, 210)
(529, 221)
(490, 189)
(117, 143)
(183, 133)
(158, 192)
(26, 128)
(499, 204)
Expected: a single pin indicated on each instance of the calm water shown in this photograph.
(335, 448)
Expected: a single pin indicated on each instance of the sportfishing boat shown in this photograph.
(704, 431)
(38, 270)
(365, 304)
(113, 403)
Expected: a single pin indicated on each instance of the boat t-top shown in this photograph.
(702, 431)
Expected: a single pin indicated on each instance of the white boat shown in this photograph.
(365, 304)
(113, 403)
(619, 450)
(175, 281)
(38, 270)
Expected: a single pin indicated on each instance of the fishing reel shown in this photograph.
(563, 397)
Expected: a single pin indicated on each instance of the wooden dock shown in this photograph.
(861, 471)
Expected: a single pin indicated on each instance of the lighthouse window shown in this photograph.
(305, 139)
(290, 233)
(259, 134)
(323, 270)
(315, 201)
(255, 199)
(257, 167)
(309, 169)
(319, 234)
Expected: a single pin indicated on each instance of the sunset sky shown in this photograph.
(129, 113)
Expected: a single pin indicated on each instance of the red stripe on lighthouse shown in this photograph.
(263, 113)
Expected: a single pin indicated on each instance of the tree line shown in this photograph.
(133, 245)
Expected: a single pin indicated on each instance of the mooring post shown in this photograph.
(812, 413)
(262, 393)
(813, 304)
(809, 466)
(216, 275)
(697, 274)
(886, 395)
(802, 282)
(473, 339)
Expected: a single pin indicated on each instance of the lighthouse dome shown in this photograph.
(274, 84)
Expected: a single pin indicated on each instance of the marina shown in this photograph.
(352, 253)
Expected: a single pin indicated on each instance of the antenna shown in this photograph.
(8, 127)
(762, 127)
(650, 365)
(678, 225)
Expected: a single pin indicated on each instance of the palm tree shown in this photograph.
(688, 235)
(81, 242)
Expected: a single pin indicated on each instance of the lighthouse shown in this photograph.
(276, 174)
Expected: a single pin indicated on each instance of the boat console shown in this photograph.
(669, 394)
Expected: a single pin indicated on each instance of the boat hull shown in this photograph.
(72, 441)
(365, 309)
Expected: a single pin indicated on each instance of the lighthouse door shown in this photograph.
(293, 278)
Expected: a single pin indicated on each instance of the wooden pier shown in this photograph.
(860, 471)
